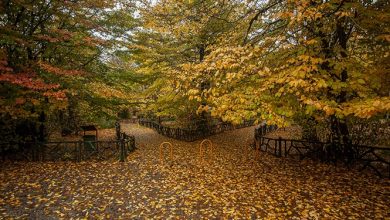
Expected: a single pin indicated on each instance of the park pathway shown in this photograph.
(233, 183)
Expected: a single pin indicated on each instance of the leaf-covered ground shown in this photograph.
(233, 184)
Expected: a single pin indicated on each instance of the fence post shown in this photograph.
(118, 130)
(388, 169)
(2, 150)
(122, 150)
(33, 150)
(132, 143)
(280, 146)
(80, 149)
(276, 147)
(285, 148)
(40, 150)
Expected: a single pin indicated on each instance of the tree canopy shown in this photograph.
(55, 51)
(278, 60)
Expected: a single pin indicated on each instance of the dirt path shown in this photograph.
(233, 183)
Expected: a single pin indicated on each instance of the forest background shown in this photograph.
(321, 65)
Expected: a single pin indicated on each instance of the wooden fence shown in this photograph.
(363, 157)
(69, 150)
(191, 134)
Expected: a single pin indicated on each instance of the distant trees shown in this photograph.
(173, 34)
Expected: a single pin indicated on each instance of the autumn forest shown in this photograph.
(194, 109)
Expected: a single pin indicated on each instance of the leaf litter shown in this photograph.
(231, 183)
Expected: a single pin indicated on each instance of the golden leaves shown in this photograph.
(232, 185)
(367, 108)
(104, 90)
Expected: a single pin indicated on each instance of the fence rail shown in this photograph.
(363, 157)
(69, 150)
(191, 134)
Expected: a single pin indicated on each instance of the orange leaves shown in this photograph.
(59, 71)
(58, 95)
(31, 81)
(27, 80)
(48, 38)
(384, 37)
(20, 101)
(236, 184)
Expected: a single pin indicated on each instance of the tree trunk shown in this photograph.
(203, 123)
(201, 53)
(339, 127)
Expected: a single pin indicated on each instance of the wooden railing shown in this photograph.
(363, 157)
(69, 150)
(191, 134)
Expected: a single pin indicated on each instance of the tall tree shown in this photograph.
(51, 50)
(326, 60)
